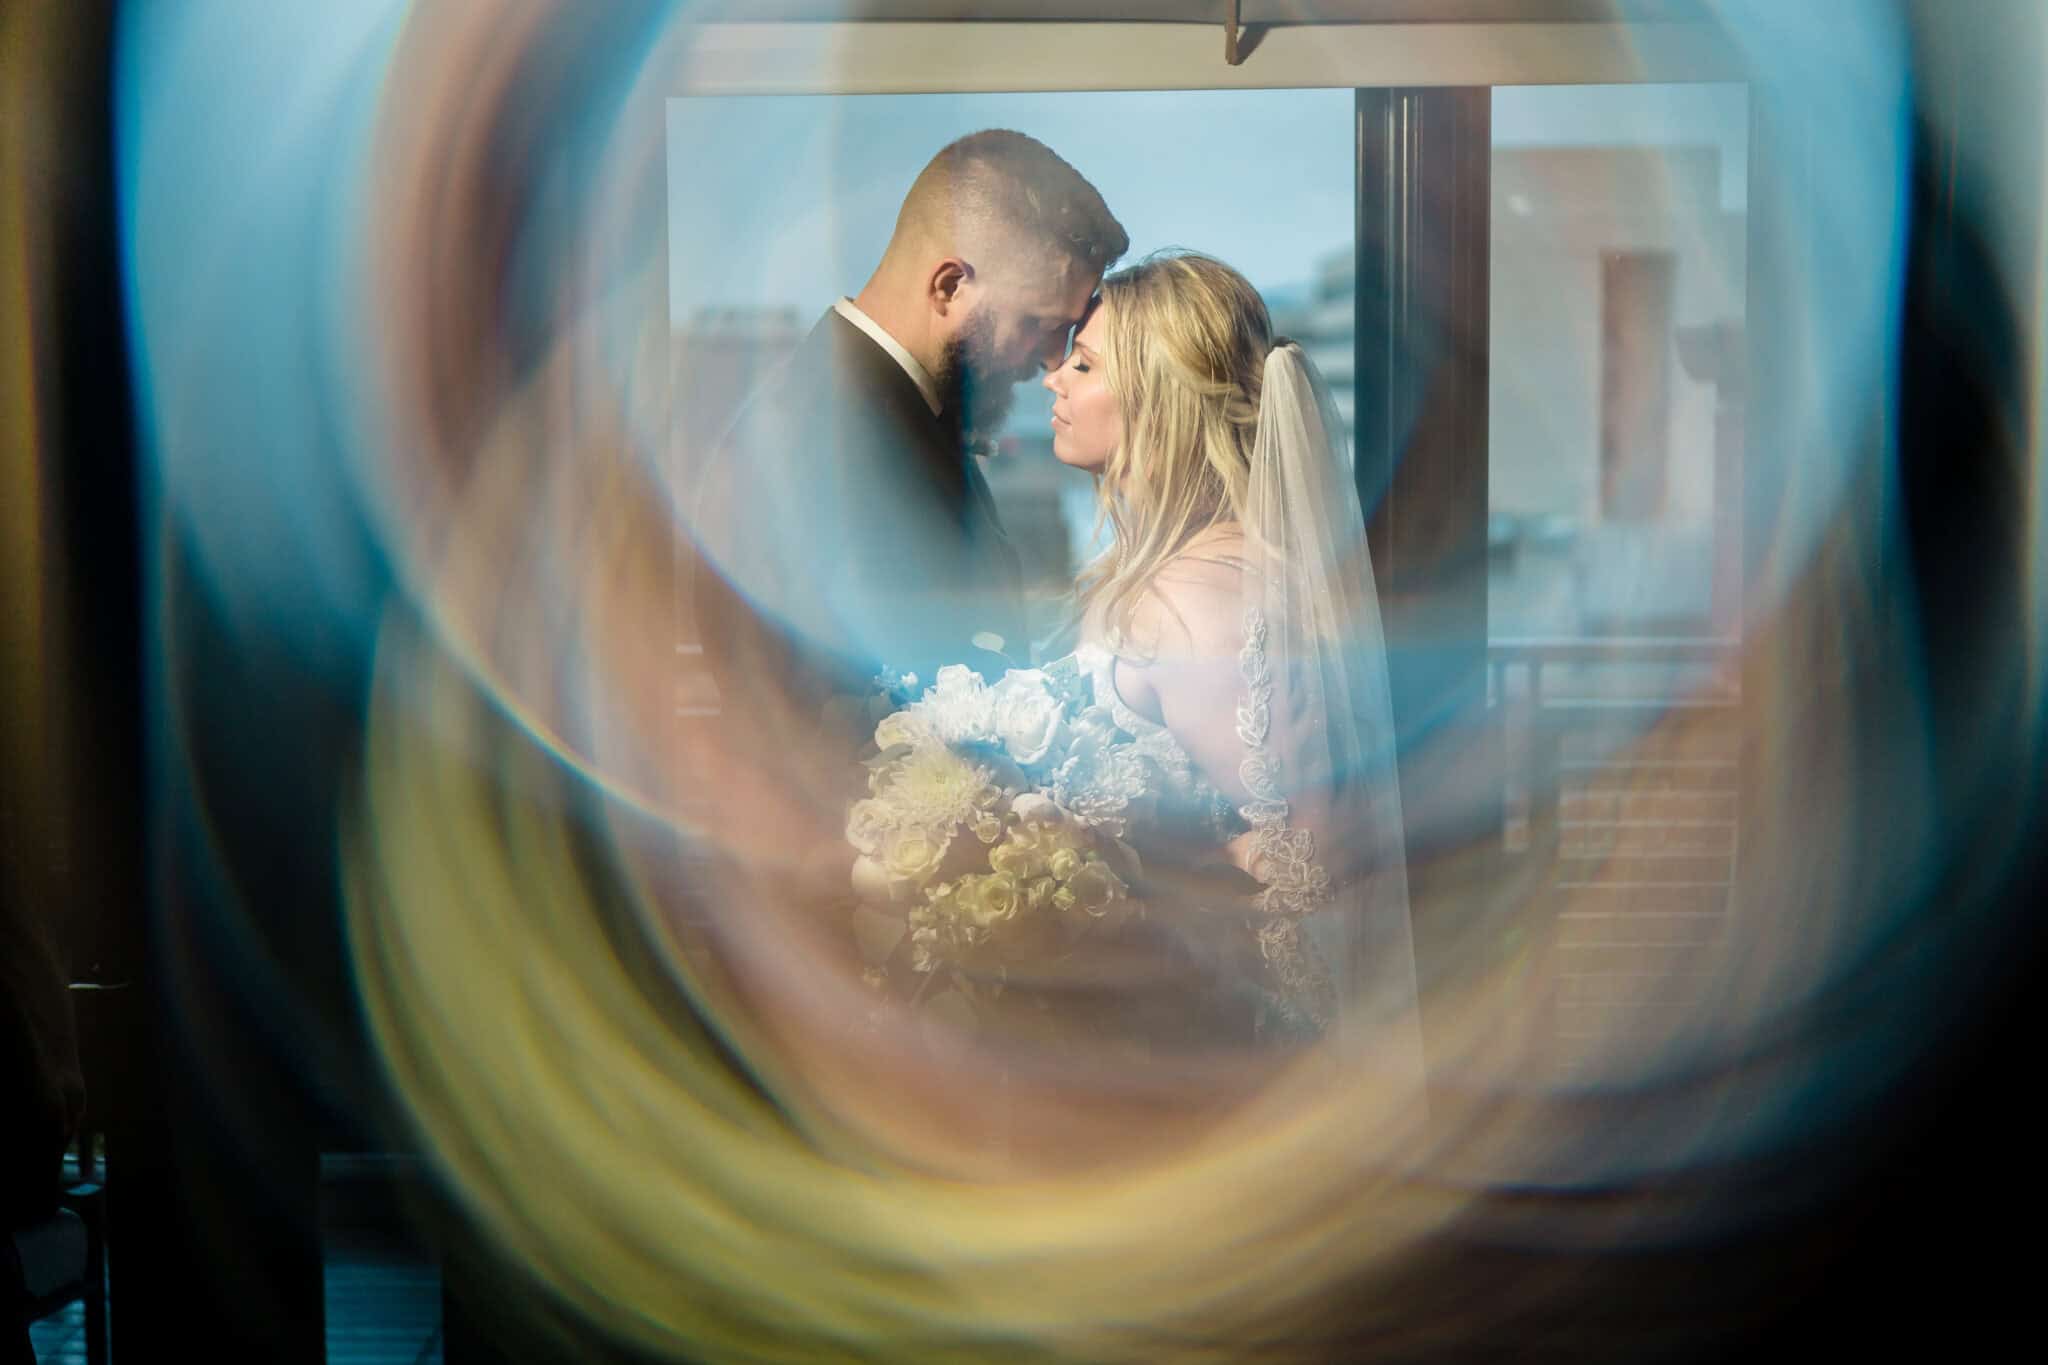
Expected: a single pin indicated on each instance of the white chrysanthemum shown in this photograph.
(933, 788)
(958, 708)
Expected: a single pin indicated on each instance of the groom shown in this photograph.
(843, 526)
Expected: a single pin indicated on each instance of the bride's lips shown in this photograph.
(1059, 421)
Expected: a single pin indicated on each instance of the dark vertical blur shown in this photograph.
(73, 682)
(211, 1218)
(217, 1071)
(49, 930)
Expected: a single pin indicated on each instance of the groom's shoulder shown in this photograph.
(830, 370)
(804, 372)
(822, 398)
(786, 395)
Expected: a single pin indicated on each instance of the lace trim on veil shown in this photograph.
(1282, 858)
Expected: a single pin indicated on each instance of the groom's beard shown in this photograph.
(973, 393)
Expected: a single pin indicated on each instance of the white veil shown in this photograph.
(1310, 580)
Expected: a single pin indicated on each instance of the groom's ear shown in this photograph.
(948, 279)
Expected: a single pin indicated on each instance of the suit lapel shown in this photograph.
(987, 527)
(875, 376)
(984, 500)
(938, 439)
(933, 446)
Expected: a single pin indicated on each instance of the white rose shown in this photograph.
(868, 825)
(1034, 807)
(871, 881)
(899, 728)
(1095, 888)
(1094, 727)
(958, 708)
(1028, 718)
(911, 858)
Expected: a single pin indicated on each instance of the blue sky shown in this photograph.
(790, 200)
(787, 201)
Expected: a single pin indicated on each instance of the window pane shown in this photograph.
(1261, 179)
(1619, 220)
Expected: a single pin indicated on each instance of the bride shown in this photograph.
(1233, 633)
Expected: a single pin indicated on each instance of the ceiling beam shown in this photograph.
(907, 58)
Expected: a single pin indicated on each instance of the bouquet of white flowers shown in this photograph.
(965, 832)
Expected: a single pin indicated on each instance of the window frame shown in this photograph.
(1423, 149)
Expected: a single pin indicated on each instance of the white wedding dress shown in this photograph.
(1303, 959)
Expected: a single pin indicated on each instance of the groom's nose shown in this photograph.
(1053, 352)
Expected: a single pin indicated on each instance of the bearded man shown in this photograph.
(843, 526)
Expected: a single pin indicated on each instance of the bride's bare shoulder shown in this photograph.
(1194, 604)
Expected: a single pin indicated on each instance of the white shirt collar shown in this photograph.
(849, 310)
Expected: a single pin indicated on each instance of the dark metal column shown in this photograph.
(1424, 244)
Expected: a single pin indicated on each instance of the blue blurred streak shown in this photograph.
(243, 133)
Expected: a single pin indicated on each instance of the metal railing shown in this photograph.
(1620, 801)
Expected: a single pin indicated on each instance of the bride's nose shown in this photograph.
(1048, 382)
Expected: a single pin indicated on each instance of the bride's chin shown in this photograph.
(1067, 458)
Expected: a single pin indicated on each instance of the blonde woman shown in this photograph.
(1233, 635)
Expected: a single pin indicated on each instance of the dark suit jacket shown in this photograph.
(842, 529)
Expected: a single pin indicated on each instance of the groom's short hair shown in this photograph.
(999, 183)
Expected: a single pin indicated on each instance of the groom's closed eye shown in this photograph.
(1055, 337)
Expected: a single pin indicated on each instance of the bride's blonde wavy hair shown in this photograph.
(1184, 352)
